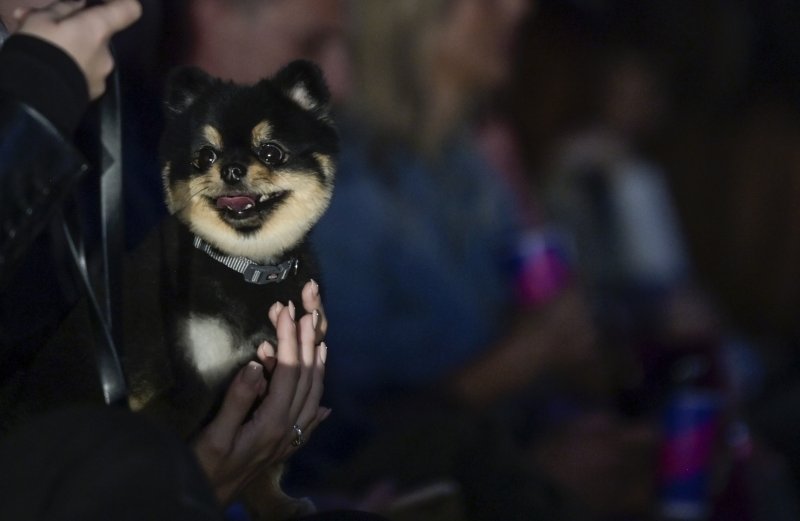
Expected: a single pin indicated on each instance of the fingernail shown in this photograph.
(266, 350)
(326, 414)
(314, 288)
(323, 352)
(291, 309)
(276, 307)
(314, 318)
(253, 374)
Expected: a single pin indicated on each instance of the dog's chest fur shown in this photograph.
(191, 321)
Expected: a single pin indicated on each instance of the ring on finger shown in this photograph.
(298, 436)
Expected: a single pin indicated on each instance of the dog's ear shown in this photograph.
(184, 85)
(304, 83)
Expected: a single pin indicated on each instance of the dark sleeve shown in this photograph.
(42, 97)
(38, 169)
(45, 78)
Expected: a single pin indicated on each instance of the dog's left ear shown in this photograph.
(184, 85)
(304, 83)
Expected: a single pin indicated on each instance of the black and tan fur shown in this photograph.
(248, 169)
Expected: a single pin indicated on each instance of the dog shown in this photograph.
(247, 172)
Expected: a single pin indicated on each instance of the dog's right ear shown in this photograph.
(184, 85)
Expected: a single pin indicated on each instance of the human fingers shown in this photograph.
(266, 355)
(84, 34)
(248, 384)
(310, 407)
(110, 17)
(312, 303)
(273, 313)
(308, 355)
(306, 431)
(54, 12)
(321, 416)
(283, 384)
(34, 19)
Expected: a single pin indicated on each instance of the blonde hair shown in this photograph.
(392, 63)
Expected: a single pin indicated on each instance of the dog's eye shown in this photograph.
(205, 158)
(271, 154)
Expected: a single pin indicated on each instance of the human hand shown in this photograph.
(556, 340)
(83, 33)
(233, 451)
(573, 333)
(602, 460)
(312, 303)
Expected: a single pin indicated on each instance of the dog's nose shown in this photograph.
(233, 173)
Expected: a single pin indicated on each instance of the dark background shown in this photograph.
(728, 138)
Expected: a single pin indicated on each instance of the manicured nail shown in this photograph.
(323, 352)
(266, 350)
(314, 288)
(326, 413)
(291, 309)
(253, 374)
(276, 308)
(315, 318)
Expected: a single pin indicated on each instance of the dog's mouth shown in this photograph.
(246, 206)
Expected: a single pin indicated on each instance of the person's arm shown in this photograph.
(50, 68)
(553, 340)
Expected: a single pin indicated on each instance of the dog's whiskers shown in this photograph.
(197, 193)
(205, 184)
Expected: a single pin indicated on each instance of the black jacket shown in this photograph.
(38, 169)
(43, 95)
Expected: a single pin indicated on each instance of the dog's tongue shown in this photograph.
(237, 203)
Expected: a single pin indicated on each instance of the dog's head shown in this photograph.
(249, 169)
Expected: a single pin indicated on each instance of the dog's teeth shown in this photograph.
(248, 206)
(262, 198)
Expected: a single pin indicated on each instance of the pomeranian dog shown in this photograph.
(247, 172)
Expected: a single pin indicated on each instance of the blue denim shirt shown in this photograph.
(413, 256)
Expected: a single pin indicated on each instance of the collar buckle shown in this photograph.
(256, 274)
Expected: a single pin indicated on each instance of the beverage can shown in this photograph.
(690, 430)
(542, 266)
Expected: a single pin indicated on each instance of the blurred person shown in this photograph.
(619, 208)
(652, 315)
(416, 246)
(608, 151)
(58, 51)
(245, 40)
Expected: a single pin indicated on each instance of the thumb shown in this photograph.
(242, 393)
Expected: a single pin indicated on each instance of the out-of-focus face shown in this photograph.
(634, 100)
(477, 37)
(314, 30)
(272, 33)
